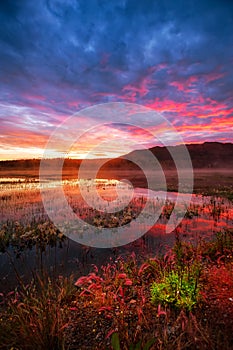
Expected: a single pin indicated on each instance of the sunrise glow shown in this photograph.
(58, 57)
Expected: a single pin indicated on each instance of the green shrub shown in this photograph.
(116, 344)
(178, 290)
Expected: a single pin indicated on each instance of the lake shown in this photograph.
(30, 242)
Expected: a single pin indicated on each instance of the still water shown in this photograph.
(20, 200)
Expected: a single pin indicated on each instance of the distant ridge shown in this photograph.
(205, 155)
(211, 155)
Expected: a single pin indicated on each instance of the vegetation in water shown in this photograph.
(179, 300)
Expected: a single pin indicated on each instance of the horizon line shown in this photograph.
(100, 158)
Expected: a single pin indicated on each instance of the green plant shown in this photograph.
(116, 344)
(178, 290)
(115, 341)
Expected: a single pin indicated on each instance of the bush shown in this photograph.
(178, 290)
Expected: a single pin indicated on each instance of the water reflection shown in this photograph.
(20, 201)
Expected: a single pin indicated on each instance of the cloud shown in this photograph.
(59, 56)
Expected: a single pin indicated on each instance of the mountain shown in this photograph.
(209, 155)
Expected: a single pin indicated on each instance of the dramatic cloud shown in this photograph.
(59, 56)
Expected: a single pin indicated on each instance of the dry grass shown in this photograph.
(116, 299)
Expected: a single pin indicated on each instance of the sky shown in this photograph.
(58, 57)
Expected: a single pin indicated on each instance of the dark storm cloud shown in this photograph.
(62, 55)
(103, 46)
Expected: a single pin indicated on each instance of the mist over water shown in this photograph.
(20, 204)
